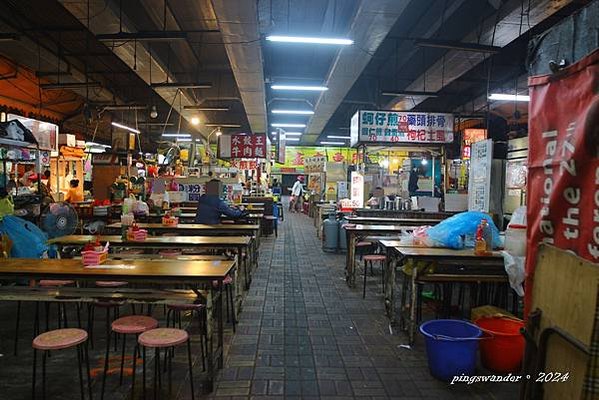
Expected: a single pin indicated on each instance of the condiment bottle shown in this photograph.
(480, 246)
(487, 235)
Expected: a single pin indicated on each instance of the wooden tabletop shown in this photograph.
(441, 252)
(192, 227)
(193, 215)
(379, 228)
(397, 221)
(156, 241)
(173, 270)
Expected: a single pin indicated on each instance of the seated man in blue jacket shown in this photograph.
(211, 207)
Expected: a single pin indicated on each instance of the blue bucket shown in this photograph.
(451, 347)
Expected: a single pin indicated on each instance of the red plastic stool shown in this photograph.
(130, 325)
(373, 258)
(164, 338)
(58, 340)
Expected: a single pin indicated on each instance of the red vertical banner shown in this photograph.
(563, 179)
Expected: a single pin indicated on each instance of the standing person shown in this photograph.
(276, 187)
(211, 207)
(297, 192)
(73, 195)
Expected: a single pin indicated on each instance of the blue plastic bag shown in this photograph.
(459, 231)
(28, 241)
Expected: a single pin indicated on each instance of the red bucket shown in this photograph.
(503, 351)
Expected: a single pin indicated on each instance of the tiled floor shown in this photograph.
(302, 333)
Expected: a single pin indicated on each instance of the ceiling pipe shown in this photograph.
(238, 22)
(493, 31)
(372, 23)
(456, 45)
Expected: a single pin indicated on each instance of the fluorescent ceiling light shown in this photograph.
(124, 107)
(333, 143)
(294, 112)
(292, 139)
(509, 97)
(94, 144)
(281, 125)
(176, 135)
(125, 127)
(183, 139)
(288, 133)
(310, 40)
(299, 87)
(338, 137)
(201, 108)
(223, 125)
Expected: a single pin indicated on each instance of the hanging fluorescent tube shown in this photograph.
(200, 108)
(509, 97)
(176, 135)
(292, 139)
(223, 125)
(290, 133)
(299, 87)
(94, 144)
(338, 137)
(334, 143)
(125, 127)
(293, 112)
(281, 125)
(124, 107)
(310, 40)
(183, 139)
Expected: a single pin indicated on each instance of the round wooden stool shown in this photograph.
(164, 338)
(58, 340)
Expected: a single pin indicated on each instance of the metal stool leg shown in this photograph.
(17, 327)
(122, 359)
(79, 357)
(190, 368)
(34, 374)
(107, 354)
(365, 273)
(89, 379)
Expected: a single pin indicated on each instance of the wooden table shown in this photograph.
(235, 243)
(356, 233)
(193, 274)
(451, 266)
(394, 221)
(203, 230)
(189, 217)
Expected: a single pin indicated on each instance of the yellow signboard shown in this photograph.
(295, 155)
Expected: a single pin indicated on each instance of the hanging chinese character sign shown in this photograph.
(243, 146)
(357, 190)
(401, 127)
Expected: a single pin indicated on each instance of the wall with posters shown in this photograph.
(295, 156)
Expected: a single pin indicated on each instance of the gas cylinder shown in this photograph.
(342, 235)
(330, 234)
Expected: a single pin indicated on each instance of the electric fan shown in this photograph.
(59, 219)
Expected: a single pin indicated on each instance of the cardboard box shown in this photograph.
(81, 144)
(67, 140)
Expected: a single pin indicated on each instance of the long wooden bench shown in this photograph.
(95, 295)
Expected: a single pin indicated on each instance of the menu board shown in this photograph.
(479, 187)
(242, 146)
(401, 127)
